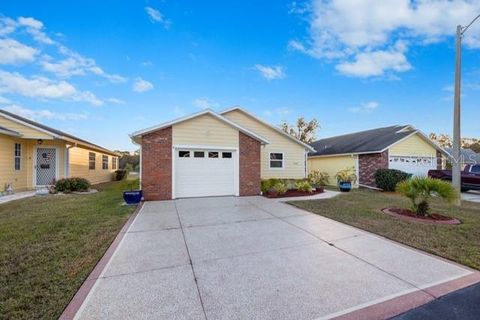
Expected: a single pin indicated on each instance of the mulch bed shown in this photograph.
(293, 193)
(434, 218)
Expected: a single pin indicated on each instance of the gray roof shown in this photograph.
(9, 131)
(468, 156)
(369, 141)
(59, 133)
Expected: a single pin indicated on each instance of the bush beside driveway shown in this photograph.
(50, 244)
(362, 209)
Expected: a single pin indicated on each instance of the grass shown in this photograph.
(361, 209)
(49, 245)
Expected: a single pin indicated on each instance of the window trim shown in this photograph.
(114, 163)
(90, 167)
(19, 157)
(103, 162)
(270, 163)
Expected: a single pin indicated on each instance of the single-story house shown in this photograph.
(467, 156)
(216, 154)
(399, 147)
(33, 155)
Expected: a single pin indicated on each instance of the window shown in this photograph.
(91, 160)
(226, 155)
(199, 154)
(475, 168)
(114, 163)
(18, 156)
(276, 160)
(184, 154)
(213, 154)
(105, 162)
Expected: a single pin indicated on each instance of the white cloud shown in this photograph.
(156, 16)
(43, 88)
(115, 101)
(7, 26)
(14, 52)
(270, 72)
(278, 112)
(44, 114)
(204, 103)
(366, 107)
(351, 32)
(35, 29)
(140, 85)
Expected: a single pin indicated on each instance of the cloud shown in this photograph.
(43, 88)
(7, 26)
(204, 103)
(349, 33)
(278, 111)
(14, 52)
(157, 17)
(35, 29)
(44, 114)
(366, 107)
(270, 73)
(140, 85)
(115, 101)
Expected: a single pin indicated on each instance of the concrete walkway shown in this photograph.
(473, 196)
(17, 196)
(254, 258)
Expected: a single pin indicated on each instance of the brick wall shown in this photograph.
(368, 164)
(439, 160)
(157, 165)
(249, 165)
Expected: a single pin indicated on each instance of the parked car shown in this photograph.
(470, 176)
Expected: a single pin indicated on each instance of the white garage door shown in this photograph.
(203, 173)
(417, 166)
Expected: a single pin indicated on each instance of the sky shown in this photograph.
(103, 69)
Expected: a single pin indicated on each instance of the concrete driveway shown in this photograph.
(473, 196)
(254, 258)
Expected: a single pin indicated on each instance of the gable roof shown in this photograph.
(307, 146)
(9, 132)
(57, 134)
(369, 141)
(468, 156)
(137, 135)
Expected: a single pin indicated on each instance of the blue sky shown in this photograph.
(103, 69)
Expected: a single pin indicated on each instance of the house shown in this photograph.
(399, 147)
(216, 154)
(33, 155)
(467, 156)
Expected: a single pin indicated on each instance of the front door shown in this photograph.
(46, 166)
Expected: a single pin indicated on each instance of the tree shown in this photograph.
(303, 130)
(475, 147)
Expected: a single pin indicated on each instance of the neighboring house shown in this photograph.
(396, 147)
(33, 155)
(215, 154)
(467, 156)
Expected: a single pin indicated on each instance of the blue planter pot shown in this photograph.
(345, 186)
(132, 197)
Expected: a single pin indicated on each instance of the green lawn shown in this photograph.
(49, 245)
(361, 208)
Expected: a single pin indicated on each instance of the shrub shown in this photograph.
(346, 175)
(387, 179)
(318, 178)
(68, 185)
(421, 189)
(280, 187)
(121, 174)
(304, 185)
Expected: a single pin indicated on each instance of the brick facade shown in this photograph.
(368, 164)
(249, 165)
(157, 165)
(439, 160)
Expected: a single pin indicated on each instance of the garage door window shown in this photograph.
(276, 160)
(213, 154)
(226, 155)
(184, 154)
(199, 154)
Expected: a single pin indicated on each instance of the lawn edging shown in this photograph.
(74, 305)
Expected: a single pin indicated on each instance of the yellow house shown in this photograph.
(33, 155)
(216, 154)
(400, 147)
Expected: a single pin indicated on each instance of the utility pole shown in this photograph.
(456, 170)
(456, 173)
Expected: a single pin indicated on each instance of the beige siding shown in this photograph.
(332, 165)
(26, 131)
(413, 146)
(205, 130)
(79, 166)
(294, 153)
(23, 179)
